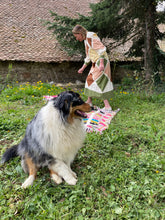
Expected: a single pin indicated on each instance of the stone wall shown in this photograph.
(64, 72)
(46, 72)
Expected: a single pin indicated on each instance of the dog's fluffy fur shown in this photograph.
(52, 139)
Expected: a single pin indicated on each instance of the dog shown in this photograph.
(52, 139)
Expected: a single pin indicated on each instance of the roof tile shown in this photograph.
(22, 35)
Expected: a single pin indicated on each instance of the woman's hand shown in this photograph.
(81, 70)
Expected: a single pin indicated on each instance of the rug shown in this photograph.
(49, 97)
(96, 121)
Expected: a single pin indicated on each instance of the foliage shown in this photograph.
(62, 28)
(9, 80)
(135, 20)
(120, 173)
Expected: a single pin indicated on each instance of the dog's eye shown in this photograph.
(78, 101)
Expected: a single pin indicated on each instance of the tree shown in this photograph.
(119, 20)
(143, 23)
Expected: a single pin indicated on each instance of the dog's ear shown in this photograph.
(62, 103)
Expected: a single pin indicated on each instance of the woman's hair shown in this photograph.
(78, 29)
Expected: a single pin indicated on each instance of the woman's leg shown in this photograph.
(89, 100)
(107, 105)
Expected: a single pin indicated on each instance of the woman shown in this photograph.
(98, 83)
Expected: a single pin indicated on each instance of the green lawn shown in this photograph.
(121, 173)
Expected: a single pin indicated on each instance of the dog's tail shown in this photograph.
(9, 154)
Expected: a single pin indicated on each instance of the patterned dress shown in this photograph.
(98, 83)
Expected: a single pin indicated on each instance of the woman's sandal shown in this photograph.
(106, 110)
(93, 107)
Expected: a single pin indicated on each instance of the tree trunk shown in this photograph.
(150, 42)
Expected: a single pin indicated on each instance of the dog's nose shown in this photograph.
(92, 107)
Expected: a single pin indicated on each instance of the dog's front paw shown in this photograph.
(57, 179)
(28, 182)
(71, 181)
(74, 174)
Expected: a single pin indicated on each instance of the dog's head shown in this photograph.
(71, 106)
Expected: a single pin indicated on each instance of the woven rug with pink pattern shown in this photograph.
(97, 121)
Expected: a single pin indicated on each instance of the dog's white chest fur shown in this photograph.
(61, 140)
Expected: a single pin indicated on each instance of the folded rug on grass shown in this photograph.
(97, 120)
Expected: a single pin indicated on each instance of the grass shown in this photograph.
(121, 173)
